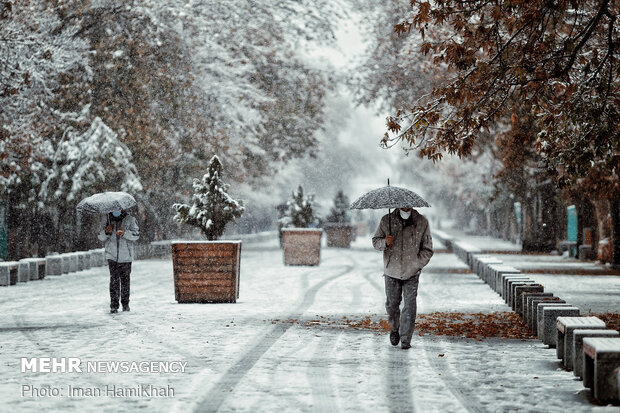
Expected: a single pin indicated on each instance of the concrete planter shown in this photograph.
(339, 235)
(301, 246)
(206, 271)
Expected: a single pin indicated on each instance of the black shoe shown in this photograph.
(114, 310)
(394, 338)
(126, 307)
(405, 346)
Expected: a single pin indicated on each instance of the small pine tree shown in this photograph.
(212, 207)
(300, 212)
(339, 212)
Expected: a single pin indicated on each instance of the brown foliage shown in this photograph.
(556, 59)
(470, 325)
(611, 319)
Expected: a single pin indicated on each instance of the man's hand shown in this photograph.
(389, 241)
(108, 229)
(120, 232)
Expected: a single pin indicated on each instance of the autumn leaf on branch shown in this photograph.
(559, 60)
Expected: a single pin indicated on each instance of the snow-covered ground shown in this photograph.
(244, 357)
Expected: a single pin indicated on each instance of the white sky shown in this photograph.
(364, 127)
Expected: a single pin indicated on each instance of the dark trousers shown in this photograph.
(119, 283)
(402, 290)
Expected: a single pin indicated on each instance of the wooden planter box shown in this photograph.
(301, 246)
(206, 271)
(339, 235)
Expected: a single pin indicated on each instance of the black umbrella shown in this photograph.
(389, 197)
(106, 202)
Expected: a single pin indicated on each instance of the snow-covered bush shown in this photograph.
(212, 207)
(300, 213)
(340, 211)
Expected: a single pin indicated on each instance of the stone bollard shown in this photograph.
(520, 292)
(5, 272)
(87, 259)
(511, 286)
(549, 322)
(73, 262)
(601, 358)
(483, 267)
(505, 283)
(496, 271)
(97, 257)
(538, 314)
(23, 271)
(33, 270)
(81, 265)
(41, 265)
(527, 298)
(565, 331)
(479, 262)
(533, 307)
(514, 294)
(66, 263)
(53, 265)
(578, 336)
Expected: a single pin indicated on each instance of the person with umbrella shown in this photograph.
(119, 231)
(405, 239)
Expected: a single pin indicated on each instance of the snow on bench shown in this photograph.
(601, 357)
(565, 326)
(578, 336)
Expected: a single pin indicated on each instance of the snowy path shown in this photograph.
(245, 357)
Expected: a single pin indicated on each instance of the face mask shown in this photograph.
(404, 215)
(116, 214)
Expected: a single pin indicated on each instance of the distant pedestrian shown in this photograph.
(405, 239)
(119, 231)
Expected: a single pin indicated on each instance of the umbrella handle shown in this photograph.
(389, 214)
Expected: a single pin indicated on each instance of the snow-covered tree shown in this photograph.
(93, 161)
(300, 212)
(37, 51)
(340, 211)
(212, 207)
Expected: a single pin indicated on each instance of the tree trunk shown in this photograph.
(615, 224)
(603, 222)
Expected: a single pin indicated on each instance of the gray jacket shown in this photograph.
(412, 249)
(119, 249)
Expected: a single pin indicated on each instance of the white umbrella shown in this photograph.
(105, 202)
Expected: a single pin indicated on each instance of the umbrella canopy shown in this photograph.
(105, 202)
(389, 197)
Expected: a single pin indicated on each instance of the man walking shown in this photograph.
(119, 231)
(405, 239)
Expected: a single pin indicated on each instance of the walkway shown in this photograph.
(246, 357)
